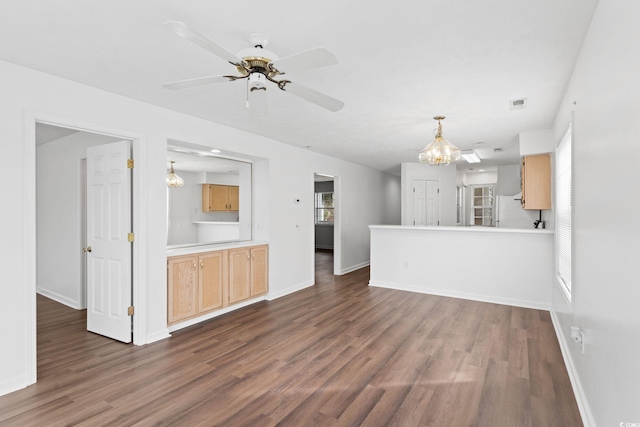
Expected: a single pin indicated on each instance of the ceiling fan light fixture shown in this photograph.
(173, 180)
(440, 151)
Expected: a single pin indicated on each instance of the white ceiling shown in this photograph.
(400, 64)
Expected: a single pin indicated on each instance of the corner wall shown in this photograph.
(604, 96)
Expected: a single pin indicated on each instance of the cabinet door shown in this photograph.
(259, 270)
(239, 275)
(536, 182)
(182, 283)
(218, 197)
(210, 281)
(234, 198)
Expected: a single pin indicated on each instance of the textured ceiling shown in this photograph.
(400, 64)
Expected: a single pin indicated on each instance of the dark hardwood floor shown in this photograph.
(336, 354)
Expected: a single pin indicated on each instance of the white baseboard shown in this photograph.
(13, 384)
(578, 391)
(462, 295)
(191, 322)
(158, 336)
(324, 247)
(59, 298)
(354, 267)
(275, 295)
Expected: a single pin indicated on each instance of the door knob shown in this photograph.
(87, 249)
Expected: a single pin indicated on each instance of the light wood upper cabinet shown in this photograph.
(183, 281)
(220, 198)
(536, 182)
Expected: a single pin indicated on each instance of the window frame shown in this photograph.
(564, 213)
(317, 197)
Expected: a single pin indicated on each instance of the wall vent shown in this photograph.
(497, 150)
(518, 104)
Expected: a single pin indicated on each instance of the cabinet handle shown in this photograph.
(201, 264)
(194, 265)
(247, 257)
(253, 256)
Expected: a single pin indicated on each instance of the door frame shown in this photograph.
(337, 233)
(139, 264)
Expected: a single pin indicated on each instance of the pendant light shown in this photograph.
(174, 180)
(440, 151)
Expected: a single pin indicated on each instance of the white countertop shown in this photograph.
(477, 229)
(217, 222)
(196, 249)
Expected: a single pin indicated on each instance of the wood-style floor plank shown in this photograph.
(336, 354)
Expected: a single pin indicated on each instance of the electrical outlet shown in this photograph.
(406, 264)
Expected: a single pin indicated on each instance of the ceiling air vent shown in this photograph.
(518, 104)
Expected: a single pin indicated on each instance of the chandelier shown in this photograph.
(174, 180)
(440, 151)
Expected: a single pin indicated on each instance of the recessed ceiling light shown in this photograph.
(215, 150)
(481, 170)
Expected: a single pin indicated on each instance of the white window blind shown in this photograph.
(563, 213)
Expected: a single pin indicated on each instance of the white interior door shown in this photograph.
(108, 248)
(426, 199)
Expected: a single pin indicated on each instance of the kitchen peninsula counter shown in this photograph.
(499, 265)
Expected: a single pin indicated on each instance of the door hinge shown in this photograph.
(130, 163)
(130, 311)
(130, 237)
(414, 190)
(438, 222)
(438, 191)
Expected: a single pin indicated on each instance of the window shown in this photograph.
(563, 213)
(324, 208)
(482, 211)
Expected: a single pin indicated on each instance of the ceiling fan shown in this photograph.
(259, 66)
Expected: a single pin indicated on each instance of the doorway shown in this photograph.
(34, 218)
(325, 222)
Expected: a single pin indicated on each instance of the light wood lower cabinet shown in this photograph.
(211, 281)
(248, 273)
(205, 282)
(183, 283)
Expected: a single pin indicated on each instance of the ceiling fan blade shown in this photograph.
(200, 81)
(314, 58)
(183, 30)
(311, 95)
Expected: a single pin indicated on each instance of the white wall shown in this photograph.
(59, 216)
(390, 197)
(286, 172)
(508, 180)
(484, 264)
(185, 206)
(536, 142)
(446, 175)
(606, 230)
